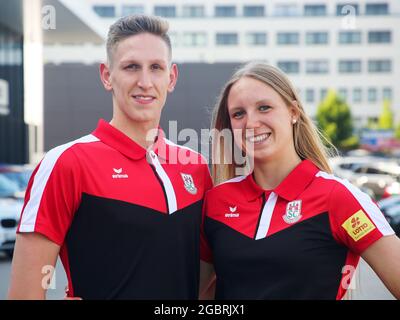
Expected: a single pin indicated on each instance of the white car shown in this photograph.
(13, 182)
(371, 174)
(10, 210)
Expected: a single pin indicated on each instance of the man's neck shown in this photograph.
(143, 133)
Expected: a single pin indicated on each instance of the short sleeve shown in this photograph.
(53, 196)
(356, 220)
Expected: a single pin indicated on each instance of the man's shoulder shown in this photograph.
(186, 153)
(65, 153)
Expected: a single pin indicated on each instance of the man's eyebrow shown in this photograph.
(133, 61)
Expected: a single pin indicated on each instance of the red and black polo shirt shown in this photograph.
(302, 240)
(127, 220)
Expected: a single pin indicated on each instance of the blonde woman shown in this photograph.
(289, 229)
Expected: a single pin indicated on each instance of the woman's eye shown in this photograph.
(264, 108)
(237, 114)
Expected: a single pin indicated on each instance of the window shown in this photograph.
(256, 38)
(310, 95)
(288, 38)
(105, 11)
(128, 10)
(173, 36)
(348, 37)
(227, 39)
(254, 11)
(343, 93)
(357, 95)
(286, 10)
(345, 9)
(379, 66)
(317, 37)
(387, 93)
(193, 11)
(165, 11)
(4, 97)
(377, 9)
(323, 92)
(225, 11)
(315, 10)
(317, 66)
(349, 66)
(372, 95)
(289, 66)
(379, 37)
(195, 39)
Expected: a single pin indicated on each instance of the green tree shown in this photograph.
(334, 119)
(386, 117)
(397, 131)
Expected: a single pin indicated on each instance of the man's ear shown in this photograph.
(173, 77)
(105, 76)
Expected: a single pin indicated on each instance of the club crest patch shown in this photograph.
(293, 212)
(189, 183)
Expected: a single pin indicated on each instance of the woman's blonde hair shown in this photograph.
(307, 138)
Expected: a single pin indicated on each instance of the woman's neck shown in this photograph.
(269, 174)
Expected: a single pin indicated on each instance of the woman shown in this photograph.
(289, 229)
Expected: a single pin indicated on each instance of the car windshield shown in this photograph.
(8, 187)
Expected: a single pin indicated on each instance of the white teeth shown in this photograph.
(259, 138)
(144, 98)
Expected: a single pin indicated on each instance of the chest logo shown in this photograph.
(293, 212)
(119, 175)
(233, 213)
(189, 183)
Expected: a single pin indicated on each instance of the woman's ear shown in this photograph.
(295, 111)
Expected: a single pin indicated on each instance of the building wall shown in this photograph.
(13, 131)
(273, 22)
(75, 99)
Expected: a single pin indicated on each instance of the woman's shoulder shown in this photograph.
(226, 187)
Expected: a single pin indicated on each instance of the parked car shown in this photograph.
(13, 183)
(391, 209)
(370, 174)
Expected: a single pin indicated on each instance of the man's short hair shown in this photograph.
(136, 24)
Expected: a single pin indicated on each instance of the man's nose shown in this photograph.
(145, 81)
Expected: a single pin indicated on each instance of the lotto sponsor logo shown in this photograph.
(358, 225)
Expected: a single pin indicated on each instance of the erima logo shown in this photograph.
(119, 174)
(233, 213)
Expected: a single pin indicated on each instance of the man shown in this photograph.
(121, 213)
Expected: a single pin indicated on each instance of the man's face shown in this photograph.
(140, 77)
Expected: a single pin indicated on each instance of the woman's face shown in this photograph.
(261, 120)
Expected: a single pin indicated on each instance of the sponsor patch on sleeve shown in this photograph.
(358, 225)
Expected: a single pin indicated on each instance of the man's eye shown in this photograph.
(132, 66)
(156, 67)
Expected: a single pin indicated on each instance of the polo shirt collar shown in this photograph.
(290, 188)
(117, 140)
